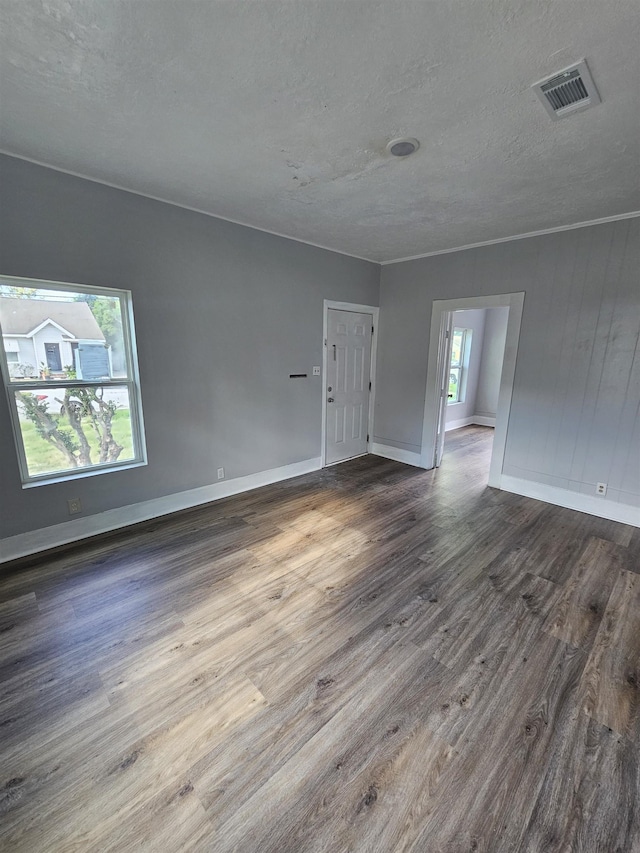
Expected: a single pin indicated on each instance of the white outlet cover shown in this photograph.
(221, 473)
(316, 371)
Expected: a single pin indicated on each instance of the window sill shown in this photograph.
(80, 475)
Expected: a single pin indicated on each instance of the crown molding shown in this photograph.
(602, 221)
(183, 206)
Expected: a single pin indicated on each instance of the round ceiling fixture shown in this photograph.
(403, 147)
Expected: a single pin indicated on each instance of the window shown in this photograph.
(70, 369)
(460, 348)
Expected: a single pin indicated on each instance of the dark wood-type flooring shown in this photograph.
(368, 658)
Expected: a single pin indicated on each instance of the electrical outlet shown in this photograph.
(221, 473)
(74, 506)
(601, 488)
(316, 371)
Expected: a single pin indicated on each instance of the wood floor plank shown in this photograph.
(174, 819)
(556, 538)
(33, 721)
(228, 637)
(612, 675)
(370, 658)
(86, 750)
(573, 804)
(373, 603)
(147, 766)
(486, 797)
(292, 808)
(576, 615)
(307, 704)
(493, 678)
(383, 806)
(13, 611)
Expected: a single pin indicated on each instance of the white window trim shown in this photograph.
(462, 367)
(131, 382)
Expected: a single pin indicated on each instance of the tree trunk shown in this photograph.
(73, 411)
(47, 427)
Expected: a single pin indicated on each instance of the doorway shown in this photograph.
(348, 387)
(478, 339)
(439, 376)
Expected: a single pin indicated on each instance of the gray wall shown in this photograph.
(475, 321)
(495, 336)
(223, 314)
(574, 415)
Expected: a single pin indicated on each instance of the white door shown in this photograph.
(444, 362)
(347, 383)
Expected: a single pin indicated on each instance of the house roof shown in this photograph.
(23, 316)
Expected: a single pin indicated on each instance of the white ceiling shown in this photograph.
(276, 113)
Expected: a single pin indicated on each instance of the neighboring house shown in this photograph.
(41, 333)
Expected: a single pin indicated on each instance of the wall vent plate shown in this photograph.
(567, 91)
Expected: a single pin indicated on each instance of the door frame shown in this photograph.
(358, 309)
(440, 310)
(445, 345)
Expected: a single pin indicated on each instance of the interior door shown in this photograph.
(347, 384)
(444, 360)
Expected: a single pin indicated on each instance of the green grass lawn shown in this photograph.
(44, 458)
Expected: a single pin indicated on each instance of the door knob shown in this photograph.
(330, 400)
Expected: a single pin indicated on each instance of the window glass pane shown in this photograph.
(57, 334)
(454, 385)
(457, 347)
(66, 429)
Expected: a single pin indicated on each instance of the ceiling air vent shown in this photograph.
(567, 91)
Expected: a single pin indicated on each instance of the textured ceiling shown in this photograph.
(276, 113)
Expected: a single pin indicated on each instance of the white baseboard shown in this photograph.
(612, 510)
(395, 453)
(480, 420)
(25, 544)
(483, 420)
(461, 422)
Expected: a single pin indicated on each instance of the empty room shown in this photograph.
(320, 426)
